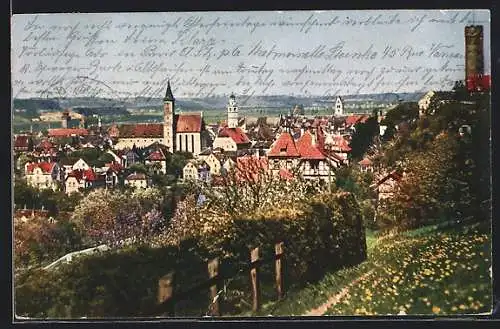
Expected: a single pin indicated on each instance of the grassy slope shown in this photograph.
(425, 271)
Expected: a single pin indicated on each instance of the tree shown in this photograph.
(363, 137)
(178, 161)
(406, 111)
(22, 159)
(25, 195)
(431, 187)
(89, 155)
(247, 189)
(138, 168)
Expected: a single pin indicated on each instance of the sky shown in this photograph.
(51, 56)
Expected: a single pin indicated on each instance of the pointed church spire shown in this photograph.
(169, 97)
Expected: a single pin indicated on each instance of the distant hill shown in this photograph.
(215, 102)
(36, 104)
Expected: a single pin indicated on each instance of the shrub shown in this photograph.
(109, 284)
(327, 234)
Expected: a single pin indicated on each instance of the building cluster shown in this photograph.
(291, 145)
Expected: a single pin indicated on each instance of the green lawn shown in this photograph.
(427, 271)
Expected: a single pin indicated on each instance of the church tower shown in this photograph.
(232, 112)
(168, 119)
(339, 107)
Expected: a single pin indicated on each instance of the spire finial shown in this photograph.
(168, 95)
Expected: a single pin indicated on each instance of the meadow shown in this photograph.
(428, 271)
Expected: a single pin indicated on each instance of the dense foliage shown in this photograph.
(445, 168)
(39, 241)
(53, 201)
(114, 217)
(320, 233)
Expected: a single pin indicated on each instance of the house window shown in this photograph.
(180, 143)
(192, 143)
(186, 139)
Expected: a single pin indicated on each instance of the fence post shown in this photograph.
(254, 275)
(278, 249)
(213, 272)
(166, 293)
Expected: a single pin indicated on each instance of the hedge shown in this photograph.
(328, 235)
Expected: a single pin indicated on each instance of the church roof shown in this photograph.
(188, 123)
(141, 130)
(67, 132)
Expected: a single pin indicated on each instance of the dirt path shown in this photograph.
(336, 298)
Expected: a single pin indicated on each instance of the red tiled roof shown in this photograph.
(21, 141)
(188, 123)
(154, 130)
(116, 167)
(236, 134)
(67, 132)
(365, 162)
(157, 156)
(352, 119)
(45, 166)
(89, 175)
(340, 142)
(78, 174)
(284, 147)
(45, 144)
(184, 123)
(306, 148)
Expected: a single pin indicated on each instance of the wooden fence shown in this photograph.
(168, 296)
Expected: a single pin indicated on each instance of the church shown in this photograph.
(179, 132)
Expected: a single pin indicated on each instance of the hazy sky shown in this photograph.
(412, 33)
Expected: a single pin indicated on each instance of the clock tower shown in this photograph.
(168, 119)
(232, 112)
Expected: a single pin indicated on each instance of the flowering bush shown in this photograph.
(38, 241)
(113, 217)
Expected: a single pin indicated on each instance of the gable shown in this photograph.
(284, 146)
(188, 123)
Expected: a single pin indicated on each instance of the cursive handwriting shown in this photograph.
(251, 53)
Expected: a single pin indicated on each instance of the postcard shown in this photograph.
(251, 163)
